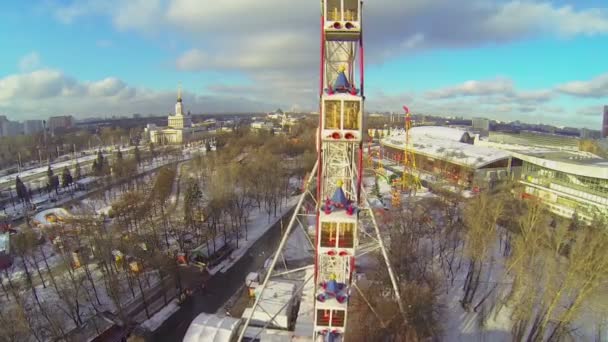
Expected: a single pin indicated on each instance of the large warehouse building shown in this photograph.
(448, 154)
(567, 181)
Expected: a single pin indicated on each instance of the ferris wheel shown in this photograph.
(342, 208)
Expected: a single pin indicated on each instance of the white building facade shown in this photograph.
(180, 128)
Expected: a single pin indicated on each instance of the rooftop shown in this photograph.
(574, 162)
(578, 158)
(446, 143)
(275, 302)
(211, 328)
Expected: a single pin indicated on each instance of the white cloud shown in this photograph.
(594, 111)
(30, 61)
(595, 88)
(145, 15)
(107, 87)
(471, 23)
(104, 43)
(474, 88)
(68, 13)
(527, 17)
(413, 41)
(274, 43)
(49, 92)
(499, 91)
(267, 52)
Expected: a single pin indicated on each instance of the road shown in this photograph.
(220, 287)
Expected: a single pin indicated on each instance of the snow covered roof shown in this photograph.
(252, 277)
(578, 163)
(211, 328)
(575, 162)
(269, 335)
(445, 143)
(276, 300)
(438, 132)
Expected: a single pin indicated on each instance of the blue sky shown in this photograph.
(536, 61)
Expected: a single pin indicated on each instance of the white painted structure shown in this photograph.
(567, 182)
(342, 19)
(211, 328)
(277, 302)
(179, 130)
(446, 143)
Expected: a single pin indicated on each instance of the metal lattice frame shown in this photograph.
(337, 162)
(370, 241)
(409, 177)
(338, 158)
(338, 54)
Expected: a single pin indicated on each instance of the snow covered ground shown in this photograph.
(491, 321)
(257, 226)
(42, 169)
(161, 316)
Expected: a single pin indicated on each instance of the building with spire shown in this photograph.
(179, 120)
(179, 128)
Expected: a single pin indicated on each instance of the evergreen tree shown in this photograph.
(66, 177)
(55, 184)
(94, 167)
(119, 155)
(376, 188)
(191, 200)
(152, 152)
(21, 189)
(77, 172)
(99, 164)
(100, 160)
(49, 182)
(137, 154)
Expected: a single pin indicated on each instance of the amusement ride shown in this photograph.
(342, 215)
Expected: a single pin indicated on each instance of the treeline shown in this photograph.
(107, 262)
(78, 269)
(499, 255)
(251, 171)
(36, 147)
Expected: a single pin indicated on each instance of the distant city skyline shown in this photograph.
(533, 61)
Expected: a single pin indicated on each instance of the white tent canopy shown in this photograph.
(211, 328)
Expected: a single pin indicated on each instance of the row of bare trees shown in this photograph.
(78, 260)
(502, 255)
(251, 172)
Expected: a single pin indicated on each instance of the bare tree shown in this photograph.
(481, 217)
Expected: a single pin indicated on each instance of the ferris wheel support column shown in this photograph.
(389, 267)
(362, 90)
(319, 140)
(362, 60)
